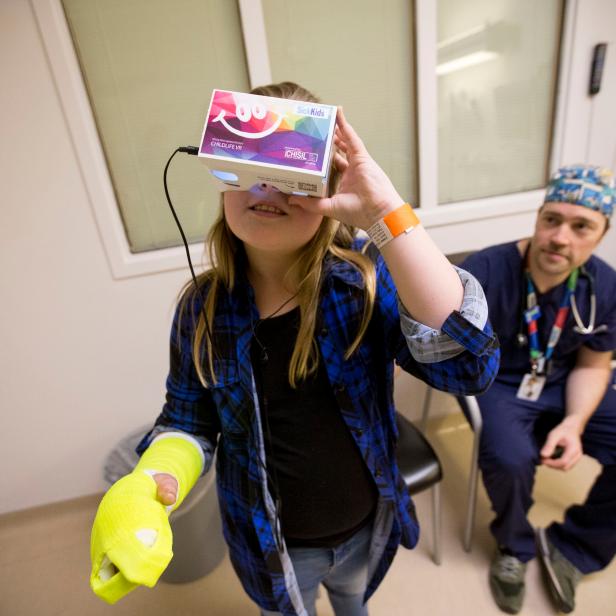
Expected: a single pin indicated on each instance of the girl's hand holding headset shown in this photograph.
(427, 284)
(365, 193)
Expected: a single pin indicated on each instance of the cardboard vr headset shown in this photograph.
(249, 140)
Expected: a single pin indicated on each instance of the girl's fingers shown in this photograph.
(339, 143)
(340, 162)
(167, 488)
(354, 145)
(312, 204)
(338, 137)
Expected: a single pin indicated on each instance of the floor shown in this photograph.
(44, 559)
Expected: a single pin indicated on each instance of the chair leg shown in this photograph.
(476, 423)
(436, 522)
(426, 409)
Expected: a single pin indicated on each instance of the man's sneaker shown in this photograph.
(507, 581)
(561, 575)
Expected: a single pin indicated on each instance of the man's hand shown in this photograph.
(586, 386)
(167, 491)
(566, 435)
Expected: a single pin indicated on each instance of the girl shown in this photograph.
(290, 379)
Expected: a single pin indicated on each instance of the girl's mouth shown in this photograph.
(267, 209)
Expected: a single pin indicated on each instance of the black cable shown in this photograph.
(193, 151)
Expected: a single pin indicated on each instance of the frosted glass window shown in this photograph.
(150, 67)
(497, 69)
(359, 55)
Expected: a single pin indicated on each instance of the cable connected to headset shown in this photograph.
(193, 151)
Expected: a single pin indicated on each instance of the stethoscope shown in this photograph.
(579, 327)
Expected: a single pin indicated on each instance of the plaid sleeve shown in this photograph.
(429, 345)
(472, 371)
(474, 365)
(469, 373)
(189, 406)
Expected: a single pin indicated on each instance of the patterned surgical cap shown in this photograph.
(586, 185)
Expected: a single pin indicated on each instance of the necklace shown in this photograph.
(264, 356)
(269, 316)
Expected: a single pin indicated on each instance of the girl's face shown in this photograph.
(265, 221)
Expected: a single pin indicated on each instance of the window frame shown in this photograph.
(456, 227)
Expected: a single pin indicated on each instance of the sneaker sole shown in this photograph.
(552, 579)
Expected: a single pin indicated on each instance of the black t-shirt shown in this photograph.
(314, 466)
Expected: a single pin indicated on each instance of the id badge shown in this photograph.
(531, 387)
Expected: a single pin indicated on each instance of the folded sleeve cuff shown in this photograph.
(463, 329)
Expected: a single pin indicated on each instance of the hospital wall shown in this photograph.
(84, 356)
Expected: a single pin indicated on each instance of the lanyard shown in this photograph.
(532, 313)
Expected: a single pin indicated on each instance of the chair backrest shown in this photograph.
(419, 464)
(471, 411)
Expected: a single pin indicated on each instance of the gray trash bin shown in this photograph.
(198, 544)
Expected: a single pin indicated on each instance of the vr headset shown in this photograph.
(249, 139)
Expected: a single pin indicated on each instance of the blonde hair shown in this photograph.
(225, 250)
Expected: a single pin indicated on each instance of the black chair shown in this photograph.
(421, 469)
(469, 405)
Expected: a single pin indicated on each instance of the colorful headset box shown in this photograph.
(249, 139)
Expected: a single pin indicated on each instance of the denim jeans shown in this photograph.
(343, 571)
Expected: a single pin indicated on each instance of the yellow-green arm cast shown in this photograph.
(131, 538)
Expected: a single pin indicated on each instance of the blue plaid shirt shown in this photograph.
(363, 387)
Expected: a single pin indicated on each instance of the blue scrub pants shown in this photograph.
(513, 433)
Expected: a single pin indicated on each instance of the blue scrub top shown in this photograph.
(500, 271)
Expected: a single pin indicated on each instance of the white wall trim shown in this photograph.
(563, 102)
(501, 206)
(472, 225)
(255, 42)
(427, 102)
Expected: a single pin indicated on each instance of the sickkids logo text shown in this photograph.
(312, 111)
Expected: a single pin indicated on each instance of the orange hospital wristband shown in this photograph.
(399, 221)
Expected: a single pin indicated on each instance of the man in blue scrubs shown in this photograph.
(553, 305)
